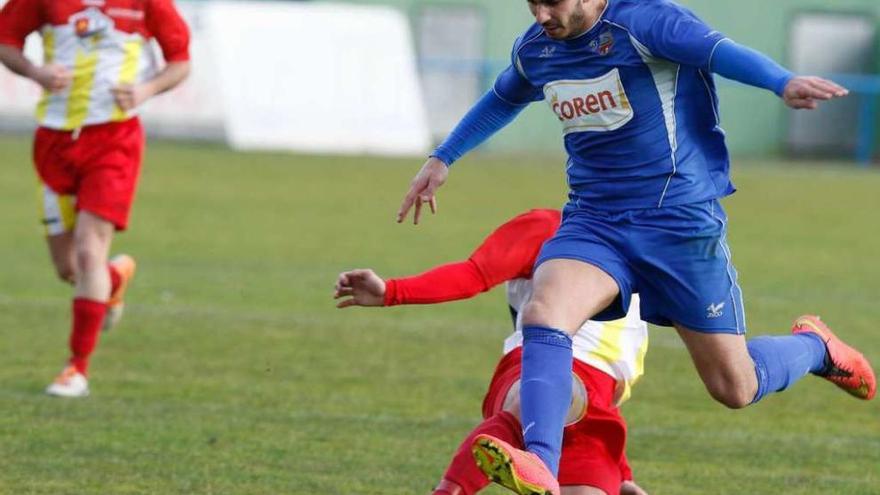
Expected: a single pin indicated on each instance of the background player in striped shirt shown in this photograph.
(99, 65)
(631, 83)
(609, 359)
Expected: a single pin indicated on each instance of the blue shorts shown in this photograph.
(675, 257)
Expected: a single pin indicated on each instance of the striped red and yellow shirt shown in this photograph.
(104, 43)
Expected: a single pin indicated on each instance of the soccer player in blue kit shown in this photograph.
(631, 83)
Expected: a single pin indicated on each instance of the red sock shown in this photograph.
(115, 279)
(463, 471)
(88, 316)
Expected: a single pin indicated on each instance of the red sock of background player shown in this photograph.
(463, 477)
(88, 317)
(115, 279)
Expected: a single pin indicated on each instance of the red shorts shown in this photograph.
(100, 166)
(593, 447)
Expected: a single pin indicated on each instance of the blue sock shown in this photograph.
(545, 393)
(781, 361)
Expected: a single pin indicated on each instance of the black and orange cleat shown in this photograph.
(517, 470)
(846, 367)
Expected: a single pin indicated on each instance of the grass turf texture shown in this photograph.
(232, 372)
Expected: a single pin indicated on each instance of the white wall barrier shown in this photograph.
(305, 77)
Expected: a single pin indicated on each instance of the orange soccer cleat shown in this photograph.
(125, 266)
(848, 368)
(517, 470)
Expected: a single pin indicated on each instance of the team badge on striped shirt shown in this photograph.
(90, 22)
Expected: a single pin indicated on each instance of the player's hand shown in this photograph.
(422, 188)
(130, 96)
(631, 488)
(52, 77)
(361, 287)
(805, 92)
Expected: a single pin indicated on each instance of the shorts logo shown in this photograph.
(590, 105)
(715, 310)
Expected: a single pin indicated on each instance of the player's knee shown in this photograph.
(541, 313)
(733, 396)
(89, 259)
(535, 313)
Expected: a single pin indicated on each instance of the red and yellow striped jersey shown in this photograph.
(104, 43)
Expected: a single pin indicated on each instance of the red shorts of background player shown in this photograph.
(593, 446)
(97, 165)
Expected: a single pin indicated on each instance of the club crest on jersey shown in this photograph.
(590, 105)
(603, 44)
(90, 22)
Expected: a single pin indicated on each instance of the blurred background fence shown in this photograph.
(393, 76)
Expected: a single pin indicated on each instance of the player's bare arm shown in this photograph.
(423, 188)
(805, 92)
(130, 96)
(361, 287)
(52, 77)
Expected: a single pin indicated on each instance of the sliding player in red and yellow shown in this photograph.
(98, 67)
(609, 358)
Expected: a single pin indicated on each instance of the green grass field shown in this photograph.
(234, 374)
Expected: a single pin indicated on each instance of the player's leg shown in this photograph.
(577, 276)
(594, 434)
(567, 292)
(107, 162)
(120, 269)
(61, 253)
(687, 279)
(595, 440)
(108, 191)
(724, 365)
(463, 477)
(91, 245)
(92, 238)
(738, 373)
(58, 216)
(500, 410)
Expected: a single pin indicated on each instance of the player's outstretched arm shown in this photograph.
(423, 188)
(748, 66)
(805, 92)
(360, 287)
(51, 77)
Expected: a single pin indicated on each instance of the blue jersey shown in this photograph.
(637, 104)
